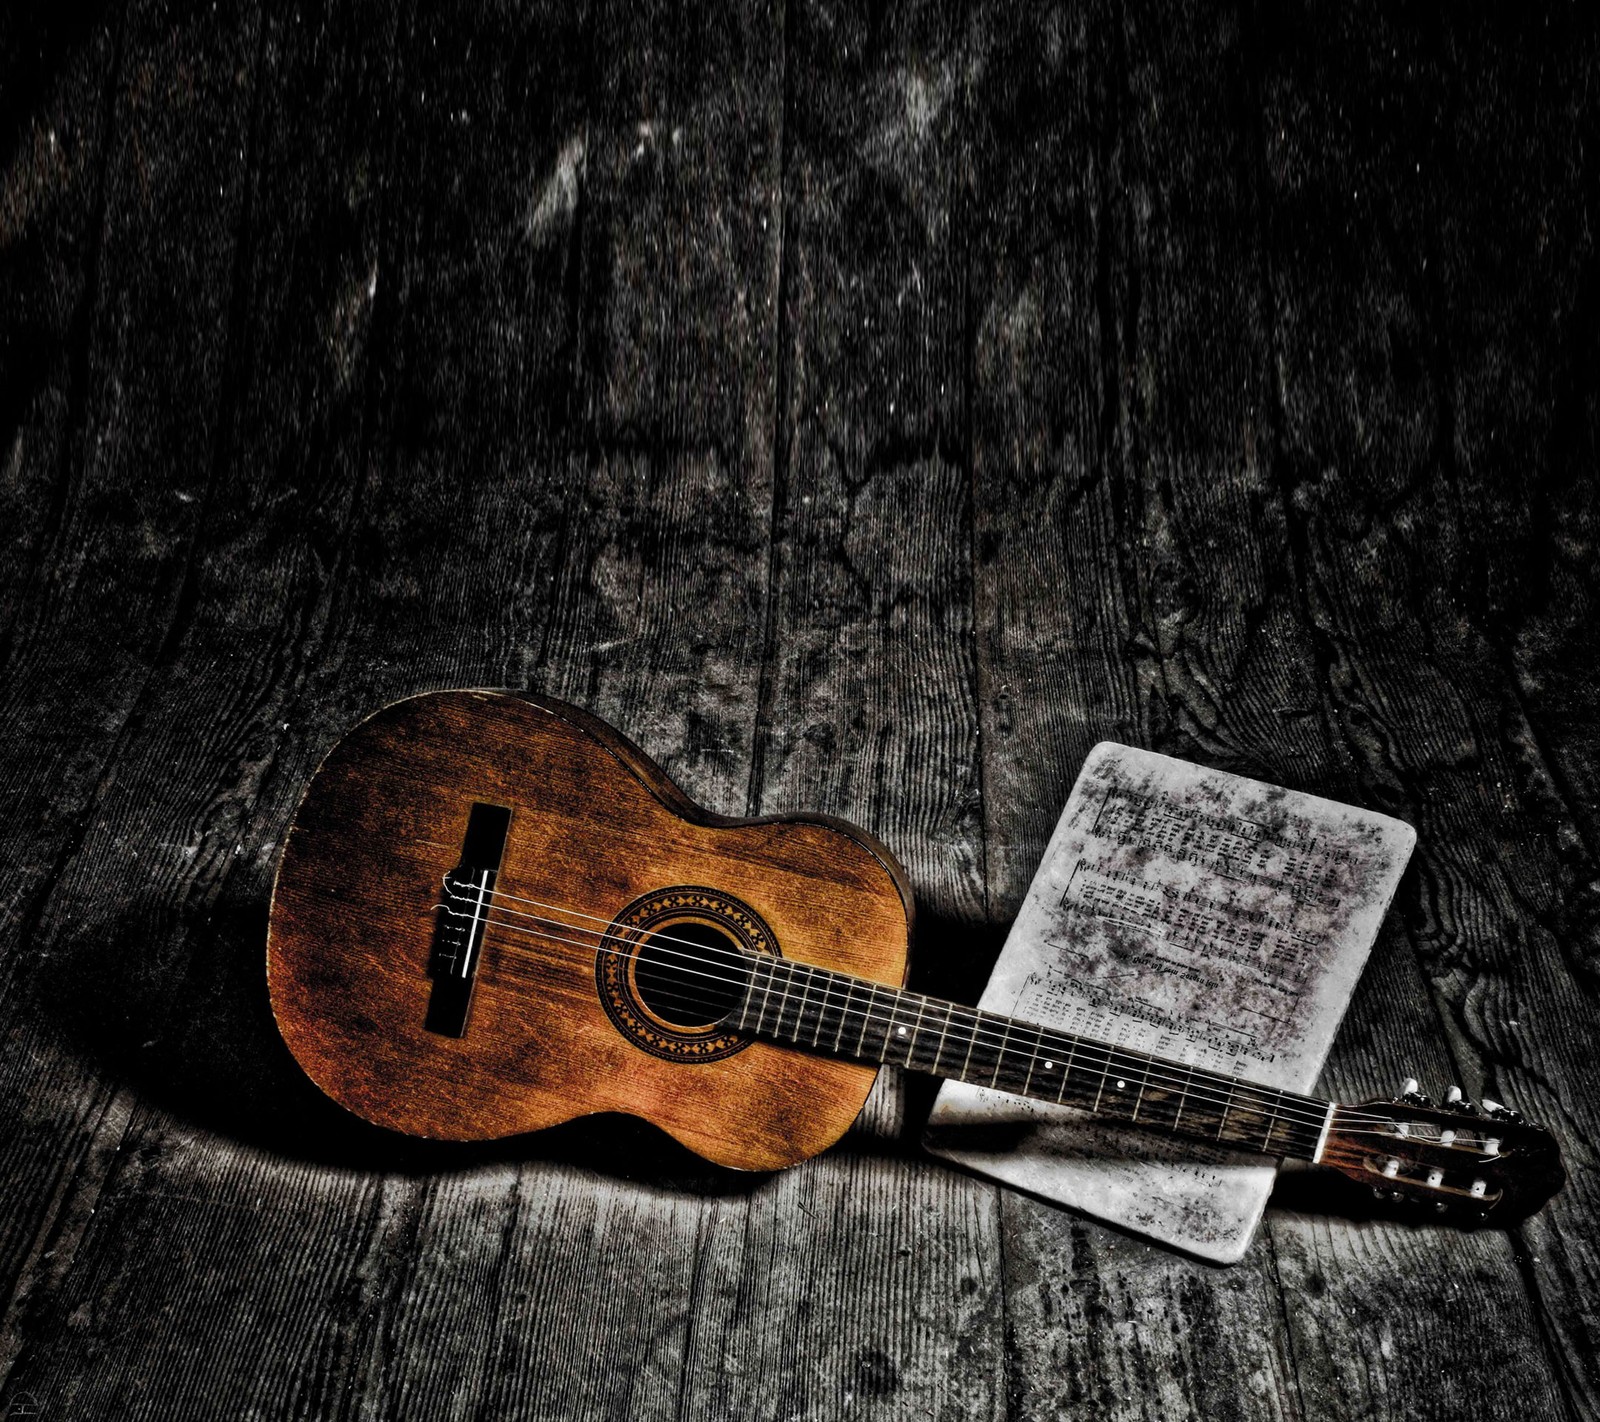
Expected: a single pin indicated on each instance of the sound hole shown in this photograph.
(690, 974)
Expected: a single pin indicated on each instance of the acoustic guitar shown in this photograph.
(493, 914)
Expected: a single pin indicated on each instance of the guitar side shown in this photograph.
(594, 827)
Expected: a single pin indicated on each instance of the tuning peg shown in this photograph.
(1499, 1112)
(1453, 1096)
(1411, 1092)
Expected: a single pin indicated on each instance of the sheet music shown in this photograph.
(1192, 914)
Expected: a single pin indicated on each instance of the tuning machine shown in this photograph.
(1455, 1101)
(1411, 1093)
(1501, 1113)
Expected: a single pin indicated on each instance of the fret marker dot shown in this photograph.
(1049, 1066)
(1121, 1085)
(901, 1031)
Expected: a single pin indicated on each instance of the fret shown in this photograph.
(1144, 1085)
(1066, 1070)
(1111, 1097)
(1251, 1118)
(782, 982)
(886, 1026)
(1161, 1094)
(1051, 1053)
(866, 1017)
(770, 969)
(800, 1010)
(1222, 1121)
(1000, 1054)
(938, 1051)
(1183, 1098)
(916, 1029)
(776, 1029)
(884, 1021)
(905, 1034)
(895, 1031)
(972, 1038)
(1155, 1098)
(1272, 1121)
(827, 1003)
(876, 1029)
(1033, 1060)
(1203, 1116)
(844, 1012)
(978, 1048)
(836, 1010)
(814, 1008)
(820, 1012)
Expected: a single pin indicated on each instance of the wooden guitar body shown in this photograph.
(600, 850)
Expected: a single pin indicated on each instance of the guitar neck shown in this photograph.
(832, 1014)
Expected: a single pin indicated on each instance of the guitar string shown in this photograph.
(1310, 1126)
(1309, 1129)
(1140, 1066)
(1319, 1107)
(1348, 1117)
(1318, 1110)
(829, 1000)
(1281, 1105)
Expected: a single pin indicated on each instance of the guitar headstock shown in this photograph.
(1463, 1162)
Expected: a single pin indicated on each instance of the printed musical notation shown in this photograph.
(1196, 915)
(1203, 927)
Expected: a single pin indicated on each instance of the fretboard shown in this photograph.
(832, 1014)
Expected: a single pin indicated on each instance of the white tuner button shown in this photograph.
(1492, 1146)
(1479, 1188)
(1409, 1087)
(1436, 1176)
(1452, 1095)
(1391, 1168)
(1447, 1137)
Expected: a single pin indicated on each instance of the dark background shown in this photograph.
(867, 410)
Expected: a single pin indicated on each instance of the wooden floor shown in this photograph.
(867, 412)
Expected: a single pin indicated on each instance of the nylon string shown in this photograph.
(1289, 1108)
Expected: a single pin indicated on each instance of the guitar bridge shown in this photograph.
(462, 919)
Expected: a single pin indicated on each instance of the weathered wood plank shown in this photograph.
(866, 1283)
(56, 74)
(646, 613)
(177, 855)
(1107, 372)
(1412, 547)
(434, 352)
(1195, 575)
(113, 547)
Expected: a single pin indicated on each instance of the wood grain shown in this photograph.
(804, 389)
(867, 1283)
(1088, 607)
(1191, 588)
